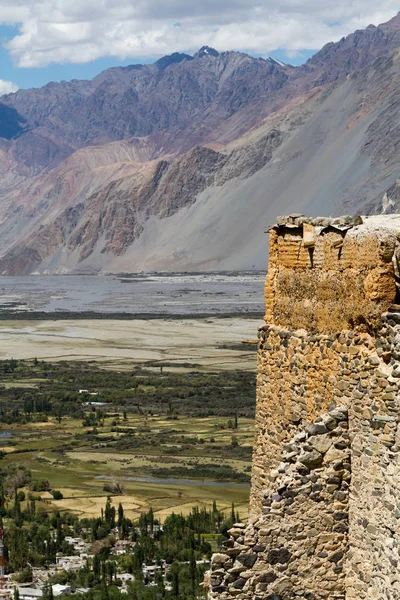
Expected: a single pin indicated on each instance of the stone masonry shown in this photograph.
(325, 498)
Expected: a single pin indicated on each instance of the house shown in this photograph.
(121, 546)
(29, 593)
(125, 577)
(118, 551)
(72, 540)
(78, 544)
(151, 570)
(94, 403)
(61, 590)
(71, 563)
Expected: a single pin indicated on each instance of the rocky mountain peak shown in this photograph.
(393, 24)
(352, 53)
(174, 58)
(206, 51)
(276, 61)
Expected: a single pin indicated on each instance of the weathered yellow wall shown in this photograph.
(341, 281)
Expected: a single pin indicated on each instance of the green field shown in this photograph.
(156, 424)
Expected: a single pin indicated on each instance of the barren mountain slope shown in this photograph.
(187, 96)
(35, 201)
(206, 209)
(136, 101)
(224, 143)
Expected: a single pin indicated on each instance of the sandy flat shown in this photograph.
(194, 341)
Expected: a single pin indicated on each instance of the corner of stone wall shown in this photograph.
(296, 547)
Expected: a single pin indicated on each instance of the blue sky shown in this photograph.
(52, 40)
(38, 76)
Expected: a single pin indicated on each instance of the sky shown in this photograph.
(52, 40)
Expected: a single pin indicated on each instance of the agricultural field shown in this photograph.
(163, 434)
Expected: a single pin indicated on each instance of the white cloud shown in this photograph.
(76, 31)
(7, 87)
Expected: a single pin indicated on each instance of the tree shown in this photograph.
(104, 591)
(120, 514)
(109, 514)
(151, 520)
(174, 571)
(21, 496)
(47, 591)
(233, 516)
(192, 573)
(96, 567)
(17, 509)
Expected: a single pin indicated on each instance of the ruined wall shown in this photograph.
(325, 498)
(326, 275)
(298, 543)
(297, 378)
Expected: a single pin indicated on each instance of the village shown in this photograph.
(65, 564)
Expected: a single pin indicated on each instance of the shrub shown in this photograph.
(114, 487)
(40, 485)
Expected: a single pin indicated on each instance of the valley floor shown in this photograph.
(169, 392)
(202, 343)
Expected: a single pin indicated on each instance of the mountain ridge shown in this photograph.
(139, 167)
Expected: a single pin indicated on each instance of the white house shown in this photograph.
(71, 563)
(61, 590)
(125, 577)
(29, 593)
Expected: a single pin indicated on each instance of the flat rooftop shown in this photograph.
(359, 223)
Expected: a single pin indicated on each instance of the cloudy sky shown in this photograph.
(44, 40)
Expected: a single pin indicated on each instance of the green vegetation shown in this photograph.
(40, 388)
(128, 435)
(178, 550)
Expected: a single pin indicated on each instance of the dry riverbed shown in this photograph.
(206, 342)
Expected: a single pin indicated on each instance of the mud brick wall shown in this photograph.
(326, 275)
(325, 497)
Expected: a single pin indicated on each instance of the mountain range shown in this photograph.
(180, 164)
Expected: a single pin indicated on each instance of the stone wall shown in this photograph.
(298, 543)
(297, 379)
(373, 395)
(325, 497)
